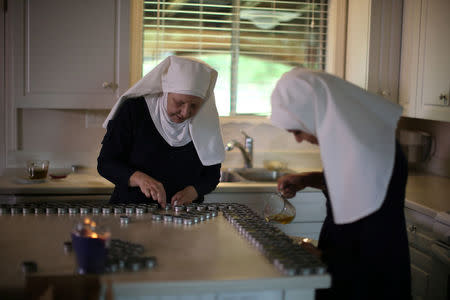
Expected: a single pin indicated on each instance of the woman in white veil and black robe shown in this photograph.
(163, 141)
(363, 239)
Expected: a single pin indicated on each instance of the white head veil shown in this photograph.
(356, 134)
(184, 76)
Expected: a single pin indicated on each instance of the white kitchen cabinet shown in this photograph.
(425, 64)
(310, 209)
(373, 46)
(430, 265)
(68, 54)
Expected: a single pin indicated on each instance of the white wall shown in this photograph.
(66, 137)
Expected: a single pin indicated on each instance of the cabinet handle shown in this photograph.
(384, 93)
(412, 228)
(109, 85)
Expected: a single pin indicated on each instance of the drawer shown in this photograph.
(419, 282)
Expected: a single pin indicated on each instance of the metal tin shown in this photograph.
(124, 220)
(112, 266)
(118, 210)
(156, 217)
(149, 262)
(178, 208)
(4, 210)
(212, 207)
(188, 221)
(38, 210)
(195, 218)
(152, 207)
(16, 210)
(96, 210)
(129, 210)
(84, 210)
(62, 210)
(134, 264)
(207, 215)
(320, 270)
(168, 218)
(74, 210)
(50, 210)
(214, 213)
(26, 210)
(106, 210)
(201, 207)
(140, 210)
(304, 271)
(168, 207)
(178, 220)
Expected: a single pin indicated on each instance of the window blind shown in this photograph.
(291, 33)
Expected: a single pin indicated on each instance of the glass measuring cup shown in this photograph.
(278, 209)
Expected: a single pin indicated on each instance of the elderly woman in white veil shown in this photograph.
(163, 141)
(363, 239)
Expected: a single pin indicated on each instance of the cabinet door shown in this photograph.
(425, 64)
(373, 46)
(434, 72)
(69, 54)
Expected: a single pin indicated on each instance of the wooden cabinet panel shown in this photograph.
(419, 282)
(69, 54)
(436, 45)
(420, 259)
(425, 64)
(429, 257)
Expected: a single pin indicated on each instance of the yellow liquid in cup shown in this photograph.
(280, 218)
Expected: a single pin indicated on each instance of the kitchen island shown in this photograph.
(427, 210)
(212, 259)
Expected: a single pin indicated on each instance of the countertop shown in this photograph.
(74, 183)
(429, 190)
(207, 257)
(423, 191)
(92, 183)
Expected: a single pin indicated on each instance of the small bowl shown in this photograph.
(58, 174)
(274, 165)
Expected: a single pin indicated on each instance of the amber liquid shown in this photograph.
(280, 218)
(36, 173)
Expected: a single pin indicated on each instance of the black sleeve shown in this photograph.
(116, 146)
(208, 180)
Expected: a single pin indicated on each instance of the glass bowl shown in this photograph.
(278, 209)
(37, 169)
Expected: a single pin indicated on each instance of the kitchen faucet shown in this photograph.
(247, 151)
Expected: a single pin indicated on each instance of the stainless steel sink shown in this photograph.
(252, 175)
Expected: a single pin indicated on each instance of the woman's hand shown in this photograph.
(149, 187)
(185, 196)
(290, 184)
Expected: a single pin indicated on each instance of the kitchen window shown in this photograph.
(250, 43)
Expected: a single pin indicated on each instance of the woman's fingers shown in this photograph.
(185, 196)
(152, 188)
